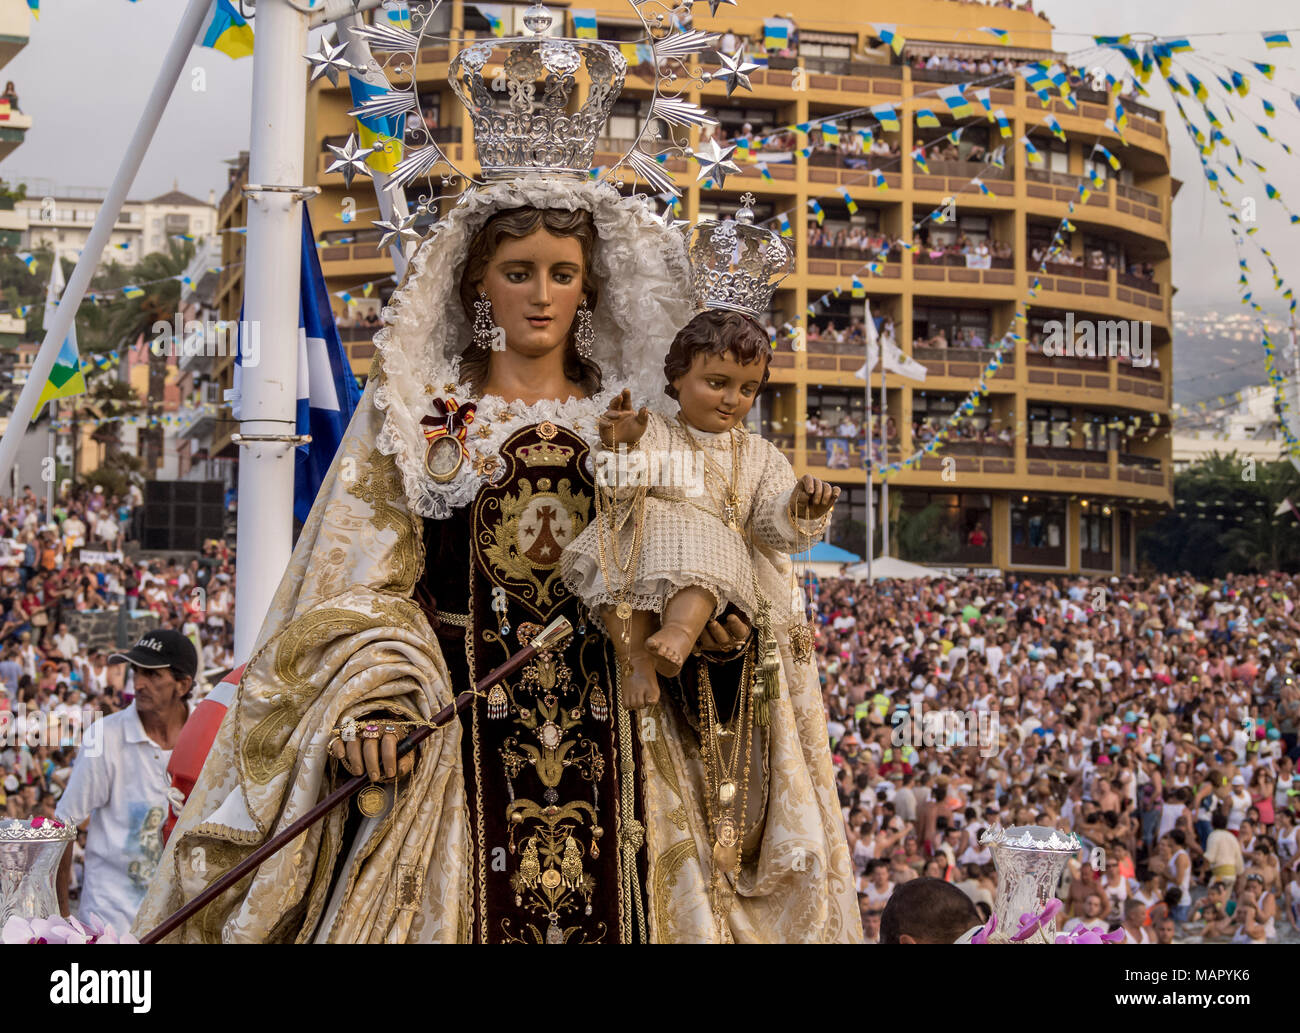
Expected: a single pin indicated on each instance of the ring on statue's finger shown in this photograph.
(370, 732)
(390, 729)
(329, 746)
(348, 733)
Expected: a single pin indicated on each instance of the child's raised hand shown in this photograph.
(812, 498)
(620, 425)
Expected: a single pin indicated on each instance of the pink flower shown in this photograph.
(1030, 924)
(61, 930)
(30, 930)
(990, 927)
(102, 932)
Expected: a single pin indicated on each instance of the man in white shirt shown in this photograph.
(119, 783)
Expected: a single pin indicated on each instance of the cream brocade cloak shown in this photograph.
(343, 638)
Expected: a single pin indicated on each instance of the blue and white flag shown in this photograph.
(328, 393)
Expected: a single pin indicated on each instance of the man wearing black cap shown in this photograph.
(119, 783)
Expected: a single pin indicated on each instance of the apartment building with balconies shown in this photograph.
(1065, 458)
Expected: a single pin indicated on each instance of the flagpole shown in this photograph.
(866, 435)
(269, 390)
(884, 455)
(56, 330)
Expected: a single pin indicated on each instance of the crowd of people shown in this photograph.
(865, 241)
(963, 250)
(977, 428)
(1156, 718)
(961, 337)
(55, 569)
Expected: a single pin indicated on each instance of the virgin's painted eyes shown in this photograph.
(564, 278)
(516, 276)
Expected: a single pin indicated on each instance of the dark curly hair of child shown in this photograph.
(716, 332)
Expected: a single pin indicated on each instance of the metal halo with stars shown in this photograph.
(715, 4)
(735, 70)
(329, 61)
(350, 159)
(715, 163)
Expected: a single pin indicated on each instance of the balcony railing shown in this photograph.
(968, 170)
(1140, 462)
(958, 261)
(1139, 283)
(1066, 455)
(1134, 194)
(1079, 272)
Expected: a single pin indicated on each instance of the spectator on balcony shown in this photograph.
(729, 42)
(977, 537)
(11, 95)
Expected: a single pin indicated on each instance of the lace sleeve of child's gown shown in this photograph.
(770, 516)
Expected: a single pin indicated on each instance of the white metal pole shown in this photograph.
(269, 389)
(358, 53)
(884, 455)
(57, 329)
(53, 473)
(866, 440)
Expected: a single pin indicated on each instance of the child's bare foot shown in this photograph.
(640, 685)
(669, 646)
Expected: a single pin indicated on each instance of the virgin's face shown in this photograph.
(535, 285)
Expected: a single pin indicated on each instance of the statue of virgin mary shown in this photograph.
(549, 813)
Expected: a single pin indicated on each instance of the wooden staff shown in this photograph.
(549, 637)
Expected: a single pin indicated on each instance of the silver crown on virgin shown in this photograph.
(522, 122)
(519, 92)
(737, 265)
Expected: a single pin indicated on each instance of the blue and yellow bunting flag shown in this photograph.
(926, 119)
(816, 207)
(1004, 126)
(1273, 40)
(887, 117)
(849, 203)
(383, 133)
(584, 23)
(227, 31)
(889, 34)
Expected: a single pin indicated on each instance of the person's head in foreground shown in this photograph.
(927, 911)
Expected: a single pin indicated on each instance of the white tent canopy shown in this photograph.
(892, 568)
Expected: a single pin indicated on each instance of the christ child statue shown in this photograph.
(683, 528)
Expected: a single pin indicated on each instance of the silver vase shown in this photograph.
(29, 861)
(1029, 860)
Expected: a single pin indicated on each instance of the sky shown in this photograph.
(90, 66)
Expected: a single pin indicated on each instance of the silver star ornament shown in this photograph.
(715, 163)
(669, 219)
(735, 70)
(350, 160)
(715, 4)
(329, 61)
(399, 226)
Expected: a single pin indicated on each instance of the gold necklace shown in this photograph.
(723, 805)
(636, 509)
(802, 635)
(731, 500)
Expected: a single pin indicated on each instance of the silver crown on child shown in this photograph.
(737, 265)
(516, 131)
